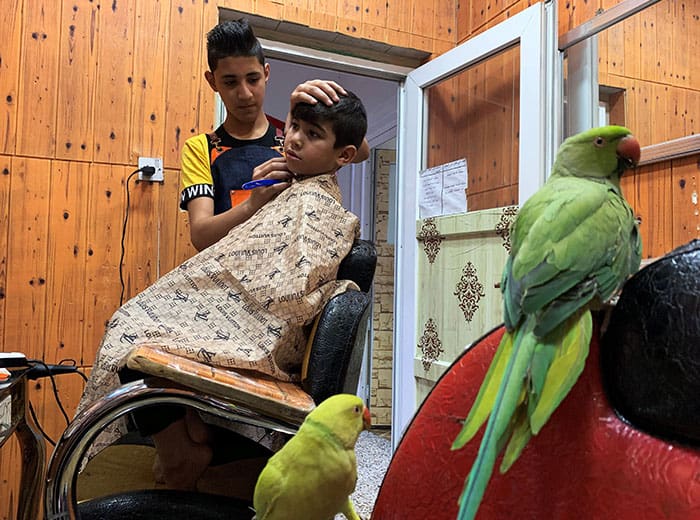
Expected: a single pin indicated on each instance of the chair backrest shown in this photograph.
(334, 361)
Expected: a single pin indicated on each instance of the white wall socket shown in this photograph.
(157, 163)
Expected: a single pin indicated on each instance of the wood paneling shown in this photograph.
(11, 23)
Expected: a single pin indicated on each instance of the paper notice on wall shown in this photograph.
(441, 189)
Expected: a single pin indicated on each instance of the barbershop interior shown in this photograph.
(324, 259)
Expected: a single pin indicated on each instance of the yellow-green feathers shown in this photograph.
(574, 243)
(313, 475)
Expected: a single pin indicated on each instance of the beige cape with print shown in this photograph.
(245, 301)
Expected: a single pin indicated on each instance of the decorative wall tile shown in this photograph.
(469, 291)
(431, 239)
(504, 224)
(430, 345)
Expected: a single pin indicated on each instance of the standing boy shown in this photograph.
(246, 145)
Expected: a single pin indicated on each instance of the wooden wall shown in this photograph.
(86, 88)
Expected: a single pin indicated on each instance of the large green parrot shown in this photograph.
(313, 475)
(573, 245)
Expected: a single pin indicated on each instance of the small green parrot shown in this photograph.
(313, 475)
(573, 245)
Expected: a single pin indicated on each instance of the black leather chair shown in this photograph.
(332, 366)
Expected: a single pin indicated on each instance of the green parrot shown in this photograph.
(573, 245)
(313, 475)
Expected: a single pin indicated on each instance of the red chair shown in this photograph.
(587, 463)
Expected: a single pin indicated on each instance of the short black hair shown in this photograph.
(232, 38)
(348, 118)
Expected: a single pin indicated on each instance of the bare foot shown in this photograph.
(197, 429)
(185, 472)
(180, 461)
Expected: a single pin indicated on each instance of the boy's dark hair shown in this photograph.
(232, 38)
(348, 118)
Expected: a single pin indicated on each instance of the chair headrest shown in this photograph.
(650, 351)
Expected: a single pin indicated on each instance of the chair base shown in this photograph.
(164, 503)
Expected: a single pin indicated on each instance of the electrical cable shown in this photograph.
(38, 425)
(126, 219)
(50, 373)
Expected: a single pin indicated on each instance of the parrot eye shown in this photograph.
(357, 409)
(599, 141)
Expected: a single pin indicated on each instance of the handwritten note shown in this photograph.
(442, 189)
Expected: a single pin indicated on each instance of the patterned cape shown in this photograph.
(244, 302)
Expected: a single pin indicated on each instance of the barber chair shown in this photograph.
(623, 445)
(332, 365)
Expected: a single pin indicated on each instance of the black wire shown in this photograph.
(38, 425)
(126, 219)
(71, 362)
(55, 388)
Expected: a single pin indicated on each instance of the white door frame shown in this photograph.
(532, 30)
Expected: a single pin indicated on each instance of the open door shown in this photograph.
(483, 101)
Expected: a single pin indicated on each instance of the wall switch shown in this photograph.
(157, 163)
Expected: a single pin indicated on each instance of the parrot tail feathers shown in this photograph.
(505, 404)
(566, 367)
(487, 393)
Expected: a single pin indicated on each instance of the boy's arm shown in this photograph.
(316, 90)
(207, 228)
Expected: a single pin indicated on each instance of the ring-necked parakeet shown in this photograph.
(313, 475)
(573, 244)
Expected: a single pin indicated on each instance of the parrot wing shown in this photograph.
(572, 241)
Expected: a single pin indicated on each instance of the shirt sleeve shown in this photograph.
(195, 170)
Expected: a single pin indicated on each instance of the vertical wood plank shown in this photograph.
(398, 15)
(182, 87)
(268, 8)
(5, 167)
(168, 203)
(646, 45)
(444, 20)
(686, 186)
(423, 23)
(25, 305)
(74, 136)
(652, 201)
(140, 266)
(681, 68)
(103, 235)
(207, 106)
(66, 249)
(349, 10)
(374, 12)
(615, 50)
(36, 97)
(150, 71)
(297, 11)
(11, 23)
(632, 34)
(114, 82)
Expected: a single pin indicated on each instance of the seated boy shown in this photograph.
(245, 301)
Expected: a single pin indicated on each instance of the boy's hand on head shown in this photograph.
(316, 90)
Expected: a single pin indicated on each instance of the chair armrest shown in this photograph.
(337, 346)
(259, 393)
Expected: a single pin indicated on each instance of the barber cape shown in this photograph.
(246, 301)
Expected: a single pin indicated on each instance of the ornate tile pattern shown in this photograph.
(504, 224)
(431, 239)
(430, 345)
(469, 291)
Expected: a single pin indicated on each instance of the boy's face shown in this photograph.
(241, 82)
(309, 149)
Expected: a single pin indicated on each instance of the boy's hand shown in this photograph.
(316, 90)
(272, 169)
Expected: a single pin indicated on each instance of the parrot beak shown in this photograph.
(628, 151)
(366, 419)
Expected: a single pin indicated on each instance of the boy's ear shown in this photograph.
(209, 76)
(346, 155)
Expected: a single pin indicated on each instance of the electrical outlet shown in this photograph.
(157, 163)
